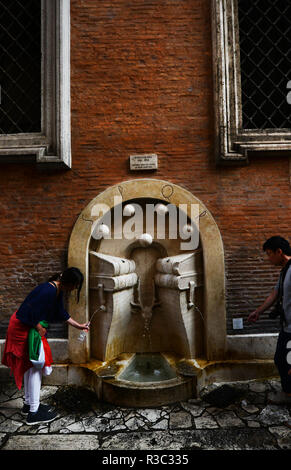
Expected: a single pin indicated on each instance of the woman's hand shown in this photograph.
(79, 326)
(40, 329)
(85, 326)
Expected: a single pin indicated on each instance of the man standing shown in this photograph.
(278, 251)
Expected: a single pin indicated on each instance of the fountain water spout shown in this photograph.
(101, 297)
(146, 310)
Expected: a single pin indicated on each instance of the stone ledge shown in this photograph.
(254, 346)
(58, 346)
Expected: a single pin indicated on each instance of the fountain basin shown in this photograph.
(147, 367)
(192, 376)
(144, 380)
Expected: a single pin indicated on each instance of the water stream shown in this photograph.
(147, 331)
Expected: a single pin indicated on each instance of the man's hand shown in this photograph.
(254, 316)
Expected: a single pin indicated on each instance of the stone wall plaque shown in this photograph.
(144, 162)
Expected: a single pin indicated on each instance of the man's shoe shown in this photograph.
(26, 408)
(40, 416)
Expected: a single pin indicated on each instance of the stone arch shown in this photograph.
(213, 260)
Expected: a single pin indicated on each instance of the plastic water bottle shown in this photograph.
(82, 336)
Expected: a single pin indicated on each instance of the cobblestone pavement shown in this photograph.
(233, 416)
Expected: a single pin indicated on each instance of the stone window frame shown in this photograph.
(233, 143)
(52, 146)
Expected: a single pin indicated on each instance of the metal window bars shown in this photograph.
(265, 57)
(20, 66)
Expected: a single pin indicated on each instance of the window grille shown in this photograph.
(265, 59)
(20, 66)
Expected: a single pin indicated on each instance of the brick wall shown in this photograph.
(141, 81)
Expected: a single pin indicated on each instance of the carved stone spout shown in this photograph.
(145, 310)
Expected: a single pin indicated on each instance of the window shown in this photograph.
(20, 66)
(252, 69)
(35, 81)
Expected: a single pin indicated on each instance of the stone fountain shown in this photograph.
(158, 309)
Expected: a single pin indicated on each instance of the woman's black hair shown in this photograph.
(70, 276)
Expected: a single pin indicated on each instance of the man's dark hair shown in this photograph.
(276, 242)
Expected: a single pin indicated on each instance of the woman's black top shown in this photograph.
(43, 303)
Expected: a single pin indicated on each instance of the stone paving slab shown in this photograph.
(53, 442)
(210, 439)
(242, 420)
